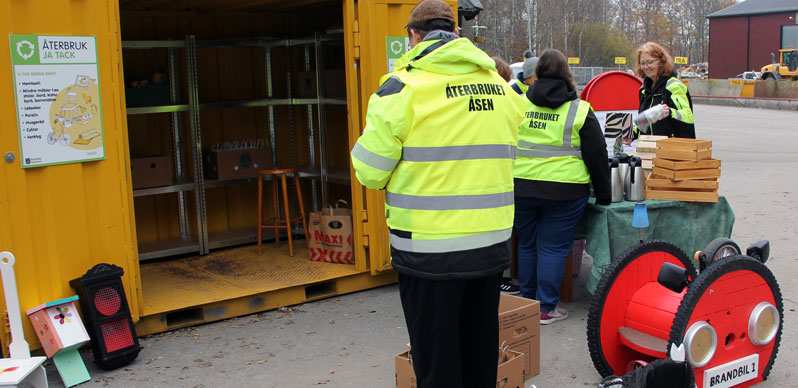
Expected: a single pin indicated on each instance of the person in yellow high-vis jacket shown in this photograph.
(526, 77)
(440, 138)
(660, 86)
(561, 150)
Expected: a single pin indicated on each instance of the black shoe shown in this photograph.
(508, 287)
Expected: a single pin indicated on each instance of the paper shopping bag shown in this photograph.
(330, 233)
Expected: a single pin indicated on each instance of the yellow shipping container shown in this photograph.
(163, 84)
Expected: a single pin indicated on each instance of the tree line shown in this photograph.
(596, 31)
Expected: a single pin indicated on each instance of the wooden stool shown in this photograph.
(278, 223)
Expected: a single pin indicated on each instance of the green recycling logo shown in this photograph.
(25, 49)
(396, 47)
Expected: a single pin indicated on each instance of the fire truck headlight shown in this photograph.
(763, 324)
(700, 341)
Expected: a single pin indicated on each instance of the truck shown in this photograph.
(786, 67)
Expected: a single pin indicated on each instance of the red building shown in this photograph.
(741, 37)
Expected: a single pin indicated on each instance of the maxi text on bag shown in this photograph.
(331, 235)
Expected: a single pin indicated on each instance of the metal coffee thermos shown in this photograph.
(616, 183)
(634, 184)
(623, 165)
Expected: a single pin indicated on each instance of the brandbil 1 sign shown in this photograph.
(57, 90)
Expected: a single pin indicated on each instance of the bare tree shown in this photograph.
(572, 26)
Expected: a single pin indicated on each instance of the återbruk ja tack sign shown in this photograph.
(57, 91)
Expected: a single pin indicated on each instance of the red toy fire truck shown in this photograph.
(727, 318)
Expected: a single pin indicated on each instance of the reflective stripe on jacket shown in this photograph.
(549, 146)
(443, 144)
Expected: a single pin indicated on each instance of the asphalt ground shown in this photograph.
(351, 340)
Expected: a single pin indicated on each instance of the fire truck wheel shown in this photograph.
(635, 267)
(731, 314)
(718, 249)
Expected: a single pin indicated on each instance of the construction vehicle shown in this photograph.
(786, 67)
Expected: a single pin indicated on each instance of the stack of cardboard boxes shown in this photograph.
(519, 345)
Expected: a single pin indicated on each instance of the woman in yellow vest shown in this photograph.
(660, 86)
(561, 149)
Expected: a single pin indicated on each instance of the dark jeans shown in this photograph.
(454, 330)
(545, 230)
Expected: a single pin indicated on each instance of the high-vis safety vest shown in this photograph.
(678, 94)
(549, 146)
(443, 147)
(518, 86)
(677, 97)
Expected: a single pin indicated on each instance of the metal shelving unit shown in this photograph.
(201, 241)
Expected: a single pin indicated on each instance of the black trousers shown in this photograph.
(454, 330)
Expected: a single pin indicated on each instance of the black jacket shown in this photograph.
(552, 93)
(652, 94)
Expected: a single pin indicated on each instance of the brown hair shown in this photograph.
(656, 51)
(503, 68)
(553, 64)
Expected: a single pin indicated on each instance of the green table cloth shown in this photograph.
(688, 225)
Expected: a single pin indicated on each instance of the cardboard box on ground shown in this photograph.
(519, 327)
(509, 375)
(519, 330)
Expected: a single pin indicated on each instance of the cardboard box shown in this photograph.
(235, 163)
(511, 370)
(519, 326)
(334, 81)
(405, 376)
(151, 171)
(508, 375)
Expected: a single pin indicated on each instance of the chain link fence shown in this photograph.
(583, 75)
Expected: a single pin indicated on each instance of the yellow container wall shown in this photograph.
(61, 220)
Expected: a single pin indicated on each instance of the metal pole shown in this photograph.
(270, 94)
(311, 135)
(177, 143)
(529, 24)
(320, 87)
(196, 144)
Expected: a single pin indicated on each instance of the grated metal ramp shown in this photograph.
(233, 282)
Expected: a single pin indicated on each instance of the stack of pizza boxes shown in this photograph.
(684, 170)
